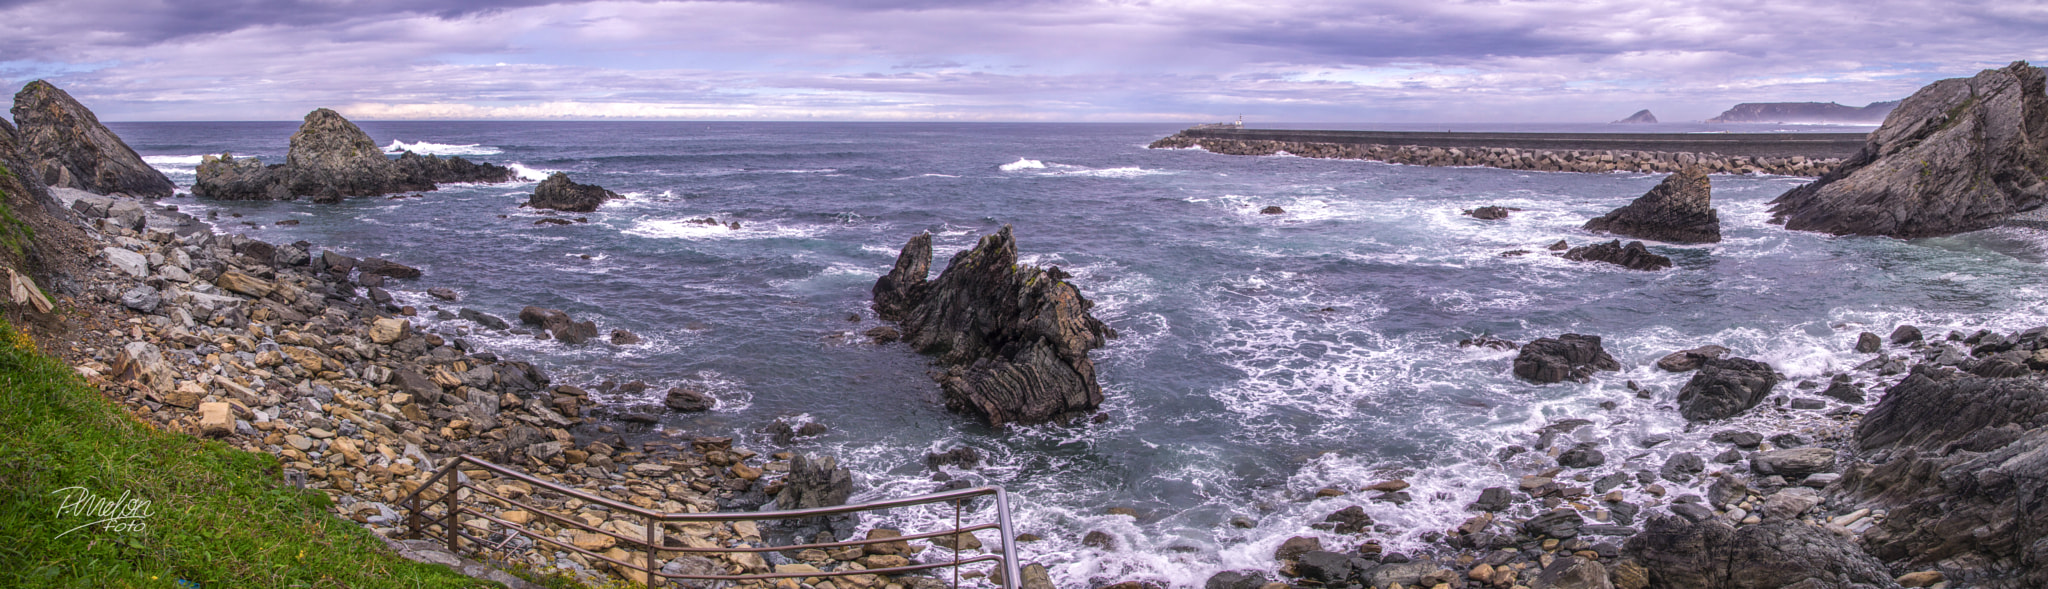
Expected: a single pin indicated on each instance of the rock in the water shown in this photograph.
(69, 148)
(1688, 360)
(689, 400)
(1641, 116)
(961, 457)
(1724, 388)
(1246, 579)
(1272, 210)
(444, 293)
(387, 268)
(331, 159)
(559, 325)
(1488, 213)
(814, 482)
(1557, 523)
(1324, 567)
(559, 193)
(1905, 334)
(1682, 467)
(1294, 547)
(1710, 554)
(1016, 338)
(1586, 455)
(1868, 343)
(1350, 520)
(621, 337)
(1961, 154)
(486, 320)
(1567, 357)
(1493, 499)
(1632, 256)
(1841, 389)
(1679, 210)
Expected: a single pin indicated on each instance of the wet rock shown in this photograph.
(1679, 210)
(1693, 512)
(1015, 338)
(1779, 554)
(1350, 520)
(688, 400)
(1556, 523)
(1689, 360)
(1572, 573)
(961, 457)
(1244, 579)
(1790, 503)
(621, 337)
(1272, 210)
(1493, 499)
(1793, 463)
(1739, 438)
(1725, 387)
(1841, 389)
(1294, 547)
(1868, 343)
(67, 147)
(1488, 213)
(814, 482)
(1585, 455)
(1961, 154)
(1099, 539)
(1324, 567)
(330, 159)
(1633, 256)
(559, 325)
(387, 268)
(557, 192)
(1906, 334)
(444, 293)
(486, 320)
(1406, 574)
(1567, 357)
(1682, 467)
(1561, 245)
(1487, 341)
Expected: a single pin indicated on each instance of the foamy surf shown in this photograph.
(430, 148)
(1022, 164)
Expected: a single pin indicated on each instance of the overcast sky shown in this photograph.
(1013, 60)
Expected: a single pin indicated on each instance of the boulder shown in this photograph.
(389, 330)
(1015, 338)
(387, 268)
(1294, 547)
(557, 192)
(129, 262)
(1245, 579)
(1868, 343)
(1572, 572)
(1488, 213)
(142, 299)
(68, 147)
(1724, 388)
(1567, 357)
(814, 482)
(559, 325)
(1710, 554)
(1586, 455)
(486, 320)
(1328, 568)
(216, 419)
(331, 159)
(1556, 523)
(1905, 334)
(689, 400)
(1632, 256)
(1794, 463)
(1960, 154)
(1688, 360)
(1679, 210)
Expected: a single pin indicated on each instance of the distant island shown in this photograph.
(1805, 112)
(1641, 116)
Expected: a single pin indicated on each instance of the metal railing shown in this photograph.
(420, 525)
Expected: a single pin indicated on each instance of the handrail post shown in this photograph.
(650, 550)
(1011, 571)
(452, 527)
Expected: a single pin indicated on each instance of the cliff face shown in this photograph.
(1016, 338)
(1961, 154)
(66, 146)
(1805, 112)
(332, 159)
(37, 235)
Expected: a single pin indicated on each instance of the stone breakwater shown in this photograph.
(1513, 158)
(287, 350)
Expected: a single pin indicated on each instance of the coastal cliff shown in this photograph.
(1805, 112)
(65, 146)
(331, 159)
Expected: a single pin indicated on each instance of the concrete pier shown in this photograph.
(1797, 154)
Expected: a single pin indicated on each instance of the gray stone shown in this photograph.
(128, 262)
(68, 147)
(1793, 463)
(1679, 210)
(1725, 387)
(142, 299)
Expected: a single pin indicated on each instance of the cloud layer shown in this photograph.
(1061, 60)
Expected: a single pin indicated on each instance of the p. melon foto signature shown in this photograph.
(123, 514)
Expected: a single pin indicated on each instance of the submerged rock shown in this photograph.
(1567, 357)
(1689, 360)
(1488, 213)
(559, 193)
(1724, 388)
(1016, 338)
(67, 147)
(1961, 154)
(331, 159)
(1679, 210)
(1632, 256)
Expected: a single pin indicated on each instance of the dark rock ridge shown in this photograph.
(331, 159)
(1805, 112)
(1961, 154)
(1015, 338)
(38, 235)
(1710, 554)
(1633, 256)
(1725, 387)
(559, 193)
(1641, 116)
(1679, 210)
(67, 147)
(1567, 357)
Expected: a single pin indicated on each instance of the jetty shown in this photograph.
(1797, 154)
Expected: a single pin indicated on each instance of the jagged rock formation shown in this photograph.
(1641, 117)
(1567, 357)
(1725, 387)
(1016, 338)
(1963, 467)
(1960, 155)
(1805, 112)
(1679, 210)
(68, 147)
(560, 194)
(1633, 256)
(37, 235)
(332, 159)
(1710, 554)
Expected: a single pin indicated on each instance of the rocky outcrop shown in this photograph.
(331, 159)
(68, 147)
(37, 235)
(1679, 210)
(560, 194)
(1805, 112)
(1570, 356)
(1724, 388)
(1710, 554)
(1015, 338)
(1641, 117)
(1961, 154)
(1633, 256)
(558, 324)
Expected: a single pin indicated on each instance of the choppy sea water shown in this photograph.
(1262, 357)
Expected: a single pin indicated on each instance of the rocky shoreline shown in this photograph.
(1538, 160)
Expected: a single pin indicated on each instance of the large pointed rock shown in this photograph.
(559, 193)
(69, 148)
(332, 159)
(1679, 210)
(1016, 337)
(37, 235)
(1961, 154)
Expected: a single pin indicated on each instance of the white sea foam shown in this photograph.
(529, 174)
(430, 148)
(687, 228)
(1022, 164)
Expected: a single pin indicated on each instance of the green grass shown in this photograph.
(218, 516)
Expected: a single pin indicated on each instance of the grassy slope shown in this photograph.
(221, 517)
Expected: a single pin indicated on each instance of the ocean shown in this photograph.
(1261, 357)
